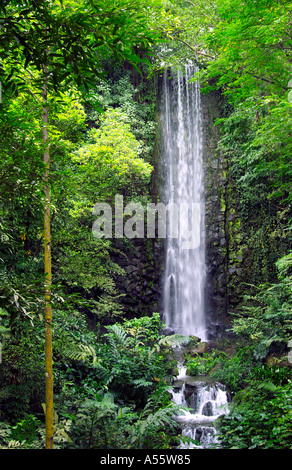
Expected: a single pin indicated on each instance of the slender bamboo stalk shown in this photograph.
(48, 275)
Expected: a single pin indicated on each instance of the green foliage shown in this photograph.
(26, 429)
(187, 24)
(109, 393)
(107, 162)
(202, 364)
(101, 30)
(95, 425)
(132, 369)
(251, 48)
(146, 329)
(30, 434)
(156, 425)
(22, 372)
(104, 396)
(258, 374)
(256, 139)
(261, 420)
(62, 44)
(22, 367)
(194, 366)
(110, 164)
(102, 424)
(273, 374)
(110, 389)
(134, 101)
(133, 363)
(266, 316)
(234, 371)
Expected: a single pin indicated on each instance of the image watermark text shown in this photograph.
(174, 220)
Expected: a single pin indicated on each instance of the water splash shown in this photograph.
(207, 403)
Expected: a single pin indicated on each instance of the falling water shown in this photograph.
(203, 403)
(182, 174)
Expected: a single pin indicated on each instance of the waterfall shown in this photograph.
(183, 190)
(203, 403)
(201, 400)
(207, 403)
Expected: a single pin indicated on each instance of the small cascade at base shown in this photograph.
(206, 401)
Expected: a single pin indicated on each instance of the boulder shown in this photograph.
(199, 349)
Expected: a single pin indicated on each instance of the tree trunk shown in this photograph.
(48, 274)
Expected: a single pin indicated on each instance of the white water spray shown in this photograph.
(202, 403)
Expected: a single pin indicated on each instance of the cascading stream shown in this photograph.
(204, 401)
(182, 173)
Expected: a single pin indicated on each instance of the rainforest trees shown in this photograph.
(48, 46)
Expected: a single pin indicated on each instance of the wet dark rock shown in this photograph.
(167, 331)
(207, 409)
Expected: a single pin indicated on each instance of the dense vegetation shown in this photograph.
(98, 62)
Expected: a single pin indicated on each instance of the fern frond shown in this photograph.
(142, 383)
(117, 338)
(81, 352)
(154, 422)
(118, 333)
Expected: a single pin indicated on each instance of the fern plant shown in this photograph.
(101, 423)
(81, 352)
(156, 427)
(267, 314)
(118, 340)
(133, 365)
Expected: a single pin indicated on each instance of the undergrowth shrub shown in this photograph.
(261, 418)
